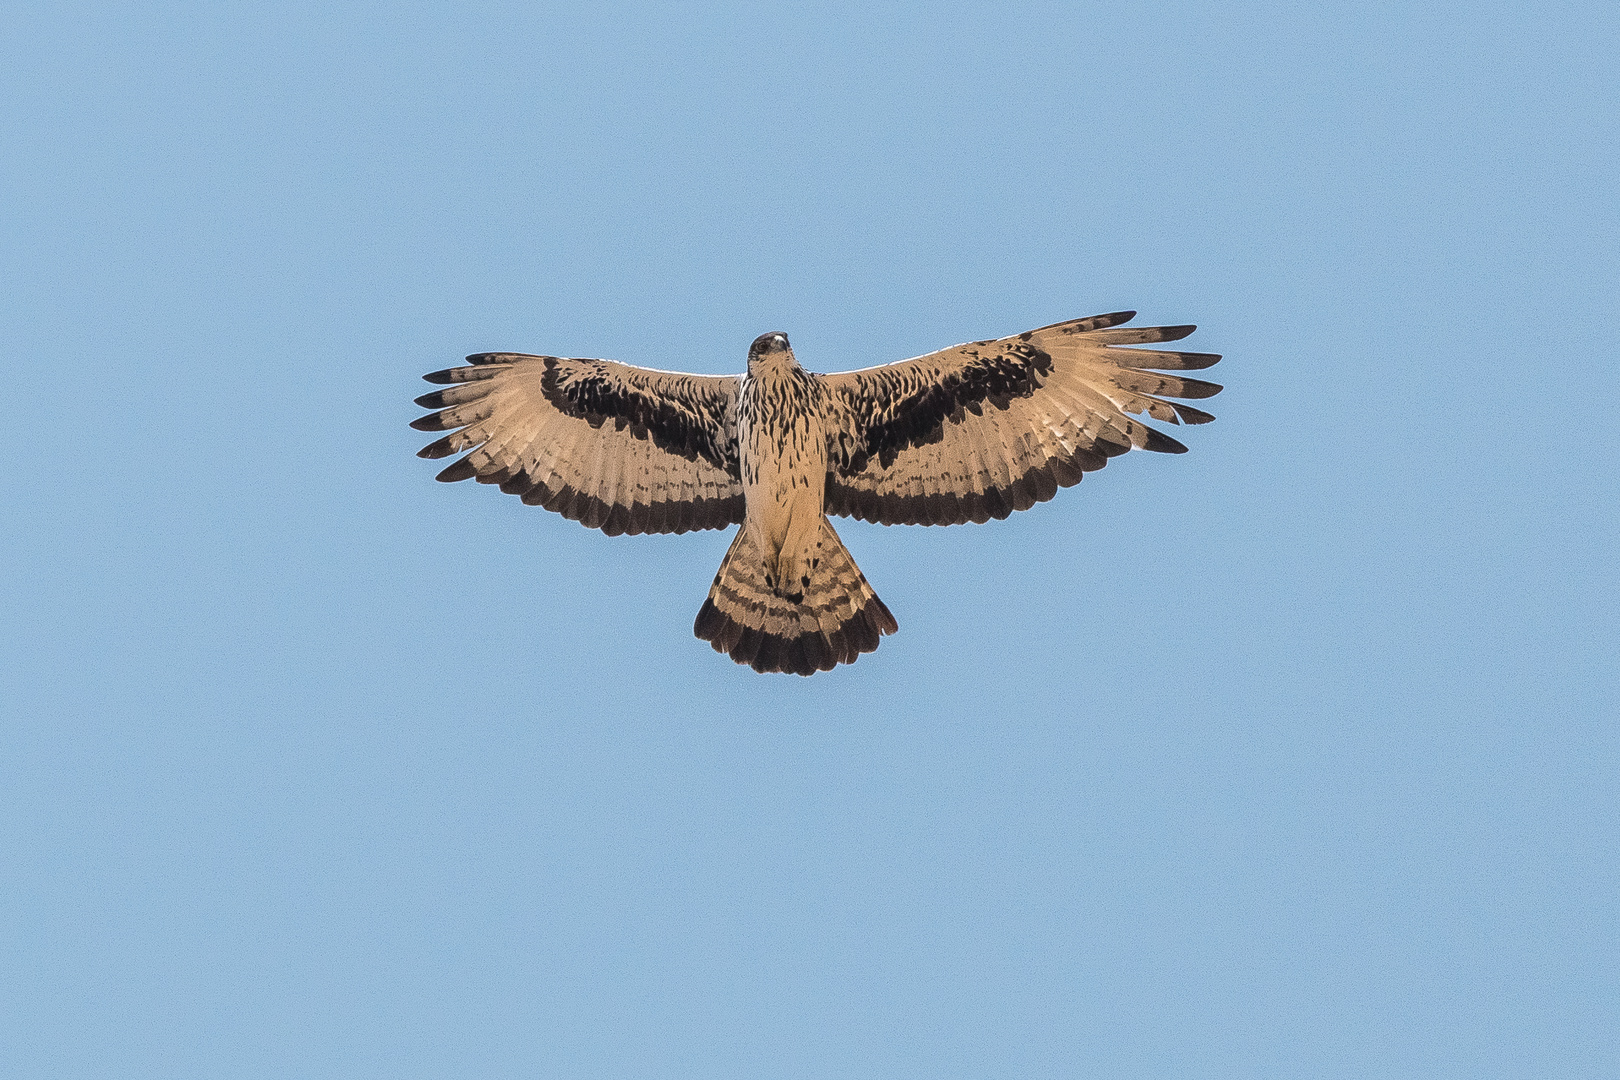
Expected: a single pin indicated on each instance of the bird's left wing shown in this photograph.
(979, 430)
(618, 448)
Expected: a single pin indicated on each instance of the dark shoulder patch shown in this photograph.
(917, 415)
(691, 427)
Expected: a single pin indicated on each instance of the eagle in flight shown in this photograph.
(968, 433)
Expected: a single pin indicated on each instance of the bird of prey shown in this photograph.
(968, 433)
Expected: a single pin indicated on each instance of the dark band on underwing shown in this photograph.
(916, 414)
(691, 426)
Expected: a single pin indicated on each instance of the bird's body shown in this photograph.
(782, 460)
(965, 434)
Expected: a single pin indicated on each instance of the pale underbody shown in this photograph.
(782, 449)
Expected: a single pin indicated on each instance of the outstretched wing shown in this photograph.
(979, 430)
(617, 448)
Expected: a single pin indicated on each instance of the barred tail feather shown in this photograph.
(839, 617)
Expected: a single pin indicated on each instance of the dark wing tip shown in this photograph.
(430, 422)
(441, 449)
(1174, 333)
(1160, 443)
(1102, 322)
(485, 369)
(461, 470)
(1081, 326)
(1198, 388)
(1192, 361)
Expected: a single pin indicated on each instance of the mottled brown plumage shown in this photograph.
(964, 434)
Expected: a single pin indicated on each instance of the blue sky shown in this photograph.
(1295, 755)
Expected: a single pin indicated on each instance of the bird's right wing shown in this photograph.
(618, 448)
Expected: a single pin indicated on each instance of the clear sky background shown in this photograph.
(1293, 756)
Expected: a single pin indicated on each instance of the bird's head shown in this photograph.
(772, 348)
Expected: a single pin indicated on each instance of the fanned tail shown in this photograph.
(839, 617)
